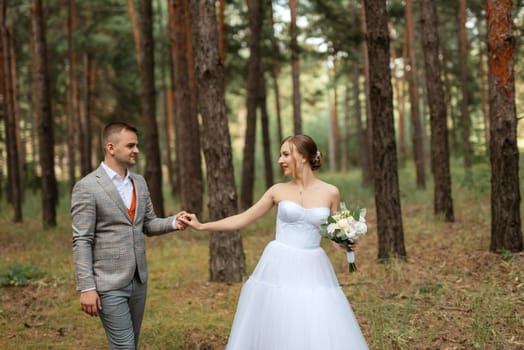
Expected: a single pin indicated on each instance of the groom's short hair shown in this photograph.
(115, 128)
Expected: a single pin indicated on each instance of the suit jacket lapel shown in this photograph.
(111, 190)
(138, 189)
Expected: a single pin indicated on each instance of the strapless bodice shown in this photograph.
(298, 226)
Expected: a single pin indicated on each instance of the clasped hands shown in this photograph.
(185, 219)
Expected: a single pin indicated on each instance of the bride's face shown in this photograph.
(289, 159)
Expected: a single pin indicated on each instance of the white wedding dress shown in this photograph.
(293, 301)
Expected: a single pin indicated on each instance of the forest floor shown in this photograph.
(451, 293)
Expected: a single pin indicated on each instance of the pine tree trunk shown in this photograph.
(401, 99)
(484, 92)
(254, 8)
(18, 139)
(463, 49)
(167, 100)
(367, 167)
(264, 121)
(443, 203)
(73, 96)
(136, 31)
(221, 33)
(153, 173)
(387, 194)
(45, 126)
(446, 58)
(345, 132)
(416, 127)
(34, 112)
(334, 138)
(275, 71)
(86, 147)
(506, 226)
(276, 89)
(227, 261)
(170, 138)
(195, 128)
(295, 69)
(13, 167)
(362, 140)
(186, 123)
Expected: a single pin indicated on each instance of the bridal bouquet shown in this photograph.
(344, 227)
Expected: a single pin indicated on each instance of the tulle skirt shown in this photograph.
(293, 301)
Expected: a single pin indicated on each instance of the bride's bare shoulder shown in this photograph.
(282, 185)
(329, 188)
(280, 190)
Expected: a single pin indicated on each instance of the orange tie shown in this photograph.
(132, 209)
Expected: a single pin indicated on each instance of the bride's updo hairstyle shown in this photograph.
(307, 148)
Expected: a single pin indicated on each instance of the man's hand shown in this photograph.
(180, 225)
(90, 302)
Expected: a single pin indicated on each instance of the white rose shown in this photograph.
(343, 224)
(361, 227)
(331, 228)
(350, 232)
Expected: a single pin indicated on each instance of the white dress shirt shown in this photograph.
(124, 186)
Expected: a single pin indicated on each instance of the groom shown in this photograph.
(111, 212)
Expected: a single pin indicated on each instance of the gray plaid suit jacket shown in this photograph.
(107, 246)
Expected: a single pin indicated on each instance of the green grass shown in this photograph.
(451, 293)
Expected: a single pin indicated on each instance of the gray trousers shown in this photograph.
(122, 313)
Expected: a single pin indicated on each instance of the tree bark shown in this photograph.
(401, 103)
(73, 97)
(86, 146)
(387, 194)
(264, 121)
(442, 200)
(226, 253)
(221, 32)
(344, 135)
(136, 31)
(275, 72)
(447, 73)
(295, 69)
(13, 161)
(484, 89)
(193, 85)
(254, 8)
(463, 49)
(334, 139)
(361, 134)
(367, 167)
(186, 123)
(16, 109)
(153, 172)
(170, 138)
(506, 229)
(45, 126)
(416, 134)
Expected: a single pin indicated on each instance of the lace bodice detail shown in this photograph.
(298, 226)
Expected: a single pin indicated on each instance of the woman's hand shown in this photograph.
(192, 221)
(343, 248)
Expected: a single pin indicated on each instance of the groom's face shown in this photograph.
(124, 148)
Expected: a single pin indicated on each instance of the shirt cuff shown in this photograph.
(87, 290)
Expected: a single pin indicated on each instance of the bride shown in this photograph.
(292, 301)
